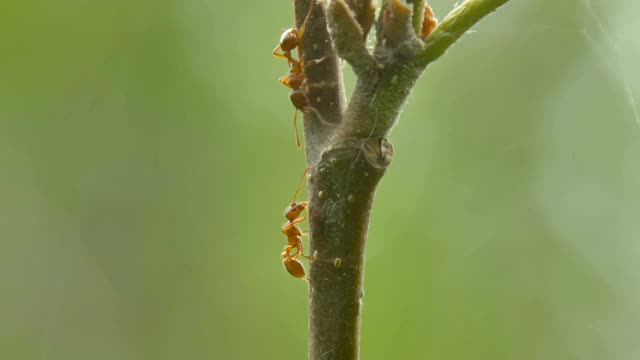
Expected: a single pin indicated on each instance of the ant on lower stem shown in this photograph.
(296, 79)
(294, 235)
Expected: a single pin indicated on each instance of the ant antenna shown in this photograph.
(304, 175)
(295, 126)
(304, 23)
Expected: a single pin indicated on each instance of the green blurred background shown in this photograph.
(147, 154)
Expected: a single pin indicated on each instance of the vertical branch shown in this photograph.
(324, 80)
(342, 188)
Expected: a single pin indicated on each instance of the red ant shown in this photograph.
(296, 79)
(294, 235)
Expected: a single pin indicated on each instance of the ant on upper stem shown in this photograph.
(296, 79)
(294, 234)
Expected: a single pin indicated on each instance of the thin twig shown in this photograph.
(454, 26)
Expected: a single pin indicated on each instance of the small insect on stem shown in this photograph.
(295, 248)
(296, 79)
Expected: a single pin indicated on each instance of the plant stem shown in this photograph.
(342, 188)
(326, 85)
(349, 158)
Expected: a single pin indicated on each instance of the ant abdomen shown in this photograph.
(294, 267)
(299, 100)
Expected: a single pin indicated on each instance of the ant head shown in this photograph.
(293, 211)
(289, 40)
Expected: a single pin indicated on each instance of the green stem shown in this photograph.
(418, 14)
(454, 26)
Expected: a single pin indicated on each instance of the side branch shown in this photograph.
(454, 26)
(349, 39)
(375, 107)
(418, 14)
(365, 13)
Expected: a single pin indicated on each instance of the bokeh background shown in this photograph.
(147, 154)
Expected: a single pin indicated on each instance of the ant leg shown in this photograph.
(277, 54)
(304, 24)
(285, 81)
(288, 250)
(315, 111)
(316, 61)
(310, 258)
(297, 221)
(300, 252)
(295, 126)
(304, 175)
(297, 254)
